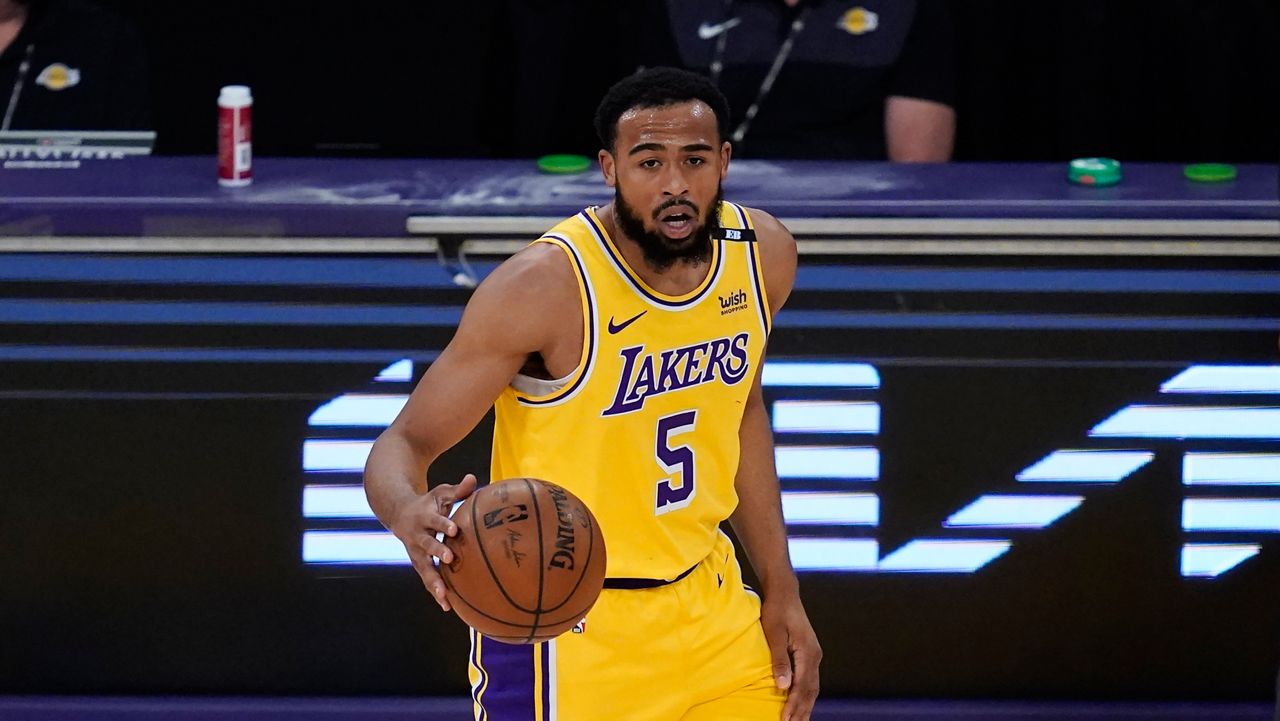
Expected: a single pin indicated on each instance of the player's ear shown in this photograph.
(726, 152)
(608, 168)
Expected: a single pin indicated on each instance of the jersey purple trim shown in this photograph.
(757, 283)
(511, 692)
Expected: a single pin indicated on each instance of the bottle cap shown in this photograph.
(235, 95)
(563, 163)
(1210, 172)
(1097, 172)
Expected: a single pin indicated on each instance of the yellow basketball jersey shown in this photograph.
(645, 430)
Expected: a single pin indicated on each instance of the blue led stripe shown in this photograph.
(834, 554)
(1086, 466)
(399, 272)
(1225, 379)
(836, 375)
(1191, 422)
(335, 455)
(1231, 514)
(109, 354)
(850, 463)
(836, 509)
(944, 556)
(359, 410)
(1210, 560)
(353, 547)
(1009, 511)
(400, 371)
(861, 320)
(992, 280)
(335, 502)
(223, 313)
(826, 417)
(1229, 469)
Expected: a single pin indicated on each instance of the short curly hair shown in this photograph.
(657, 88)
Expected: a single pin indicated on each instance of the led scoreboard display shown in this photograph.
(1018, 477)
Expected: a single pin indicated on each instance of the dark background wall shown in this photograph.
(1172, 80)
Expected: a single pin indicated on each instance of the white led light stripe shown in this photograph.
(1191, 422)
(1231, 514)
(834, 554)
(1008, 511)
(836, 375)
(335, 502)
(398, 372)
(365, 547)
(1081, 466)
(359, 410)
(334, 455)
(1225, 379)
(839, 462)
(1227, 469)
(944, 556)
(1210, 560)
(842, 509)
(826, 417)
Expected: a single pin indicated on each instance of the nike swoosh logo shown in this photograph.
(706, 31)
(619, 327)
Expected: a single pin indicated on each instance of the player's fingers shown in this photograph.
(804, 689)
(778, 638)
(465, 488)
(430, 579)
(432, 547)
(446, 495)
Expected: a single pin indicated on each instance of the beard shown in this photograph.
(661, 252)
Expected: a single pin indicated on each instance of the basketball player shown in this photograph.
(622, 351)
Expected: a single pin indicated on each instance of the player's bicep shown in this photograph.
(460, 386)
(509, 317)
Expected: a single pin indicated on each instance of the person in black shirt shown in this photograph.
(70, 65)
(866, 79)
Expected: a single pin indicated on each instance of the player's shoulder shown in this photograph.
(778, 255)
(776, 242)
(518, 304)
(538, 273)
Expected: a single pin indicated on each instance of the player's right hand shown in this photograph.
(419, 521)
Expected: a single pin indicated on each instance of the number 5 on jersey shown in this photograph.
(675, 459)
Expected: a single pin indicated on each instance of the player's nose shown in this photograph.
(674, 181)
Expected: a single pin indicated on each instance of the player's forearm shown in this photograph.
(395, 473)
(758, 520)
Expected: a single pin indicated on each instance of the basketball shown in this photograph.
(528, 561)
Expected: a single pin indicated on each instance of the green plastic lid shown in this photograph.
(1210, 172)
(563, 163)
(1094, 171)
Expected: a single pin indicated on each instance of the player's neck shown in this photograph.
(13, 15)
(678, 279)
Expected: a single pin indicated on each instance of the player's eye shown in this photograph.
(697, 160)
(649, 163)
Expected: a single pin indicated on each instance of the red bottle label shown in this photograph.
(235, 144)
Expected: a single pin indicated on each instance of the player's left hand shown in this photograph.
(795, 650)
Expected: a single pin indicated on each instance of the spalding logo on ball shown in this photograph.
(528, 561)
